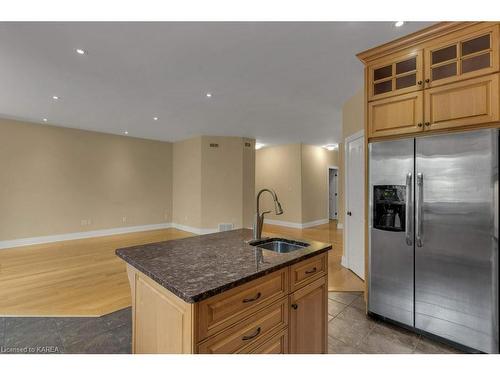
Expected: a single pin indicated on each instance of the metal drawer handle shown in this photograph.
(311, 271)
(295, 306)
(253, 335)
(246, 300)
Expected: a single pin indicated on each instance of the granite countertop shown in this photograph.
(196, 268)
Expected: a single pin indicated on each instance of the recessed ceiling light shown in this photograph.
(258, 146)
(155, 118)
(125, 132)
(45, 120)
(55, 97)
(331, 147)
(399, 23)
(209, 94)
(80, 51)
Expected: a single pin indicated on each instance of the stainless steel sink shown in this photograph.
(279, 245)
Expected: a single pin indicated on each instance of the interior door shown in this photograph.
(391, 229)
(456, 252)
(355, 206)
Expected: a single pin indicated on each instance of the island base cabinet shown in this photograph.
(309, 318)
(161, 322)
(269, 320)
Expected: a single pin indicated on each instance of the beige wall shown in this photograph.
(213, 185)
(315, 163)
(298, 174)
(353, 115)
(279, 168)
(225, 170)
(353, 120)
(186, 197)
(53, 178)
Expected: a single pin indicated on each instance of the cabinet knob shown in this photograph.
(427, 124)
(419, 124)
(427, 80)
(419, 83)
(295, 306)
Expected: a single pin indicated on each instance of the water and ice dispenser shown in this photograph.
(389, 207)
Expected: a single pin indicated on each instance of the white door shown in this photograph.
(332, 193)
(355, 205)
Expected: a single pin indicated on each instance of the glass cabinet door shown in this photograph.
(396, 76)
(464, 57)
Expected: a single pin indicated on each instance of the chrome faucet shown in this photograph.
(259, 217)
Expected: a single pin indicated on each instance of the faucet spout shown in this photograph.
(259, 217)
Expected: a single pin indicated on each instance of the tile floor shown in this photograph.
(350, 331)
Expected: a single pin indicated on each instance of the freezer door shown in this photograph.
(456, 252)
(391, 174)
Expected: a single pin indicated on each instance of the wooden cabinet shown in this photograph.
(308, 318)
(278, 344)
(402, 114)
(256, 328)
(395, 75)
(464, 103)
(225, 309)
(302, 273)
(256, 317)
(462, 55)
(458, 63)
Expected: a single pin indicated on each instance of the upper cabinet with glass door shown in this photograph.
(465, 56)
(397, 75)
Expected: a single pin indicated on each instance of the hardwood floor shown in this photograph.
(340, 279)
(84, 277)
(70, 278)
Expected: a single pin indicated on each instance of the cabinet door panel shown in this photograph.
(308, 318)
(462, 55)
(402, 114)
(470, 102)
(395, 75)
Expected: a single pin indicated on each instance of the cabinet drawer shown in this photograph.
(225, 309)
(402, 114)
(304, 272)
(260, 326)
(278, 344)
(471, 102)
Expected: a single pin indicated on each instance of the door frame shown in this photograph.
(345, 256)
(328, 168)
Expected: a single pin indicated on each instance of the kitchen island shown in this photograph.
(217, 293)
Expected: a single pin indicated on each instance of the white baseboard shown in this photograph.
(100, 233)
(340, 225)
(79, 235)
(291, 224)
(194, 230)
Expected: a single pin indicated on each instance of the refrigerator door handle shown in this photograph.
(418, 215)
(409, 209)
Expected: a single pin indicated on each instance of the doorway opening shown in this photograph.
(333, 176)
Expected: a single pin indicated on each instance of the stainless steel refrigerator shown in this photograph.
(433, 244)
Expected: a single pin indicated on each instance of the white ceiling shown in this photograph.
(276, 82)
